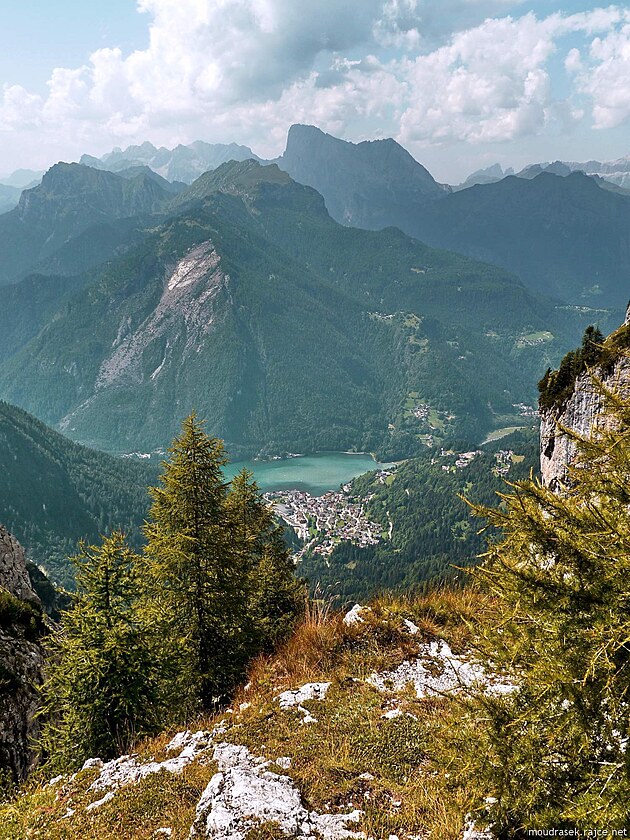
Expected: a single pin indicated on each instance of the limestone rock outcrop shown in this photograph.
(21, 660)
(580, 413)
(13, 574)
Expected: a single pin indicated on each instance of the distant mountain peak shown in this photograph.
(234, 175)
(370, 150)
(182, 163)
(253, 182)
(71, 199)
(371, 184)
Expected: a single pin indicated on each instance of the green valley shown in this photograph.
(286, 330)
(428, 532)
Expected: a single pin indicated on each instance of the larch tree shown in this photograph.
(219, 585)
(193, 575)
(553, 753)
(275, 597)
(100, 691)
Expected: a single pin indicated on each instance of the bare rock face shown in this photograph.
(21, 660)
(13, 575)
(581, 413)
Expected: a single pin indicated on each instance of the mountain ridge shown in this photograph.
(55, 492)
(70, 199)
(285, 278)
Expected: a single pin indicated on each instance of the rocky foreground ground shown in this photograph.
(329, 740)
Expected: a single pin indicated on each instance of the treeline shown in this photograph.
(160, 636)
(557, 386)
(434, 533)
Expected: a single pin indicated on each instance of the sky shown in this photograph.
(461, 84)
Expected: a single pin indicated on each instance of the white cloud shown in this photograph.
(573, 61)
(605, 77)
(491, 83)
(488, 84)
(245, 70)
(406, 24)
(19, 108)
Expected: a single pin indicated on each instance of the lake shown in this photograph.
(315, 474)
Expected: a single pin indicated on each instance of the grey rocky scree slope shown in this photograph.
(21, 659)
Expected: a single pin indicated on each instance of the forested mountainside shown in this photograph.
(286, 330)
(564, 236)
(55, 492)
(45, 230)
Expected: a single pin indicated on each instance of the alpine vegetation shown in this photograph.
(165, 634)
(553, 753)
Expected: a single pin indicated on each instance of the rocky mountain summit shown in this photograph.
(584, 410)
(74, 204)
(21, 658)
(373, 184)
(183, 163)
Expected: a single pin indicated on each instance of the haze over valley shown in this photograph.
(294, 304)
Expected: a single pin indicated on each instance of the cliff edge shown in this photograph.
(572, 399)
(21, 660)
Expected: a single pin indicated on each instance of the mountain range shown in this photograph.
(615, 172)
(241, 297)
(563, 236)
(183, 163)
(297, 310)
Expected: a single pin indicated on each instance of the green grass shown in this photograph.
(497, 434)
(403, 794)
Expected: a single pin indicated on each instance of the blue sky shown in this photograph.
(460, 83)
(39, 35)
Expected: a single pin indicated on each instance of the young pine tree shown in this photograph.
(99, 694)
(555, 752)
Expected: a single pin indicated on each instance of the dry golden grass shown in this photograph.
(407, 792)
(163, 800)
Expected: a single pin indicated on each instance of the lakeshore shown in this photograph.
(312, 474)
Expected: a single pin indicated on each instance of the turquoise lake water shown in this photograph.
(314, 474)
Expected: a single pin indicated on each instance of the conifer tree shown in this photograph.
(553, 754)
(195, 576)
(275, 596)
(100, 692)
